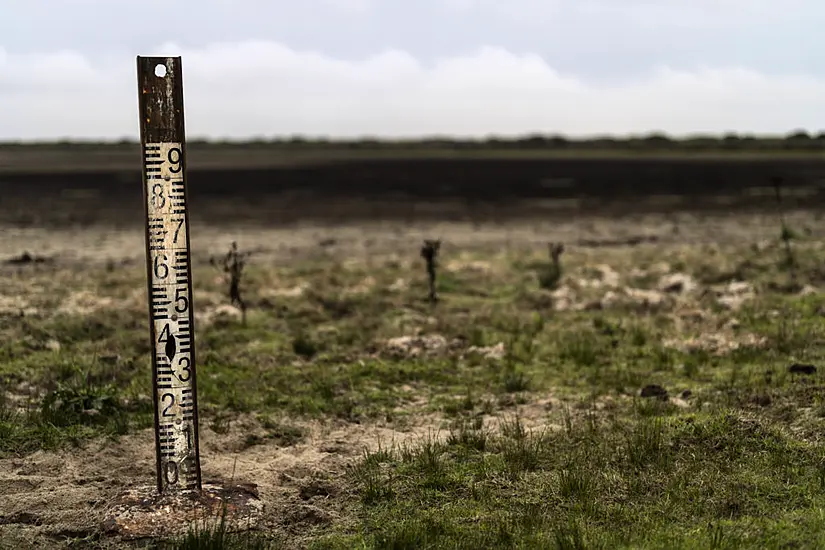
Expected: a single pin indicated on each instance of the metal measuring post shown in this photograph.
(169, 273)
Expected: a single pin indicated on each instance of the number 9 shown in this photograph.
(174, 158)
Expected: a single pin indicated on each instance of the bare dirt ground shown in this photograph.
(52, 499)
(58, 498)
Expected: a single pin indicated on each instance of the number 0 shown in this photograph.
(171, 472)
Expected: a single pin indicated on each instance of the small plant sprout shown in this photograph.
(429, 252)
(233, 264)
(786, 235)
(550, 274)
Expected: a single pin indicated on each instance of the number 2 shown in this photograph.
(171, 397)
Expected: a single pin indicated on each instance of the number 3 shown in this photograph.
(183, 363)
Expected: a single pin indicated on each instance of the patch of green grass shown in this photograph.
(699, 480)
(73, 411)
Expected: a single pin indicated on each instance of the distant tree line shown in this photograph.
(794, 141)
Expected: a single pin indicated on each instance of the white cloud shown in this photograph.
(267, 89)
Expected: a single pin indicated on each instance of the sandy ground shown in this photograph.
(52, 497)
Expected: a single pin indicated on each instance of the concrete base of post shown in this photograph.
(143, 513)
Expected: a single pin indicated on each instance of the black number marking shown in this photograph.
(184, 365)
(179, 221)
(176, 165)
(171, 344)
(188, 431)
(158, 199)
(171, 472)
(161, 269)
(180, 300)
(171, 397)
(164, 334)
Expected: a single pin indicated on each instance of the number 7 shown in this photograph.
(180, 224)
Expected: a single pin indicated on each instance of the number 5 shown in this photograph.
(181, 303)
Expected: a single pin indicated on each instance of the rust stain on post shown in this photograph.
(161, 100)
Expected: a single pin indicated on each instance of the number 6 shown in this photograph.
(161, 267)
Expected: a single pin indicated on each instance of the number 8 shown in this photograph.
(158, 200)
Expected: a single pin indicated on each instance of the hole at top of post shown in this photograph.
(160, 70)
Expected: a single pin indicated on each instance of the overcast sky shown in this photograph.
(423, 67)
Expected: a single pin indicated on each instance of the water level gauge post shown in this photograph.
(169, 274)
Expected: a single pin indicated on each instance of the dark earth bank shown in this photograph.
(418, 189)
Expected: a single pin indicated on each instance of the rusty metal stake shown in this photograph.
(180, 500)
(169, 277)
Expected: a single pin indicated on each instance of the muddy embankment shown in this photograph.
(420, 189)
